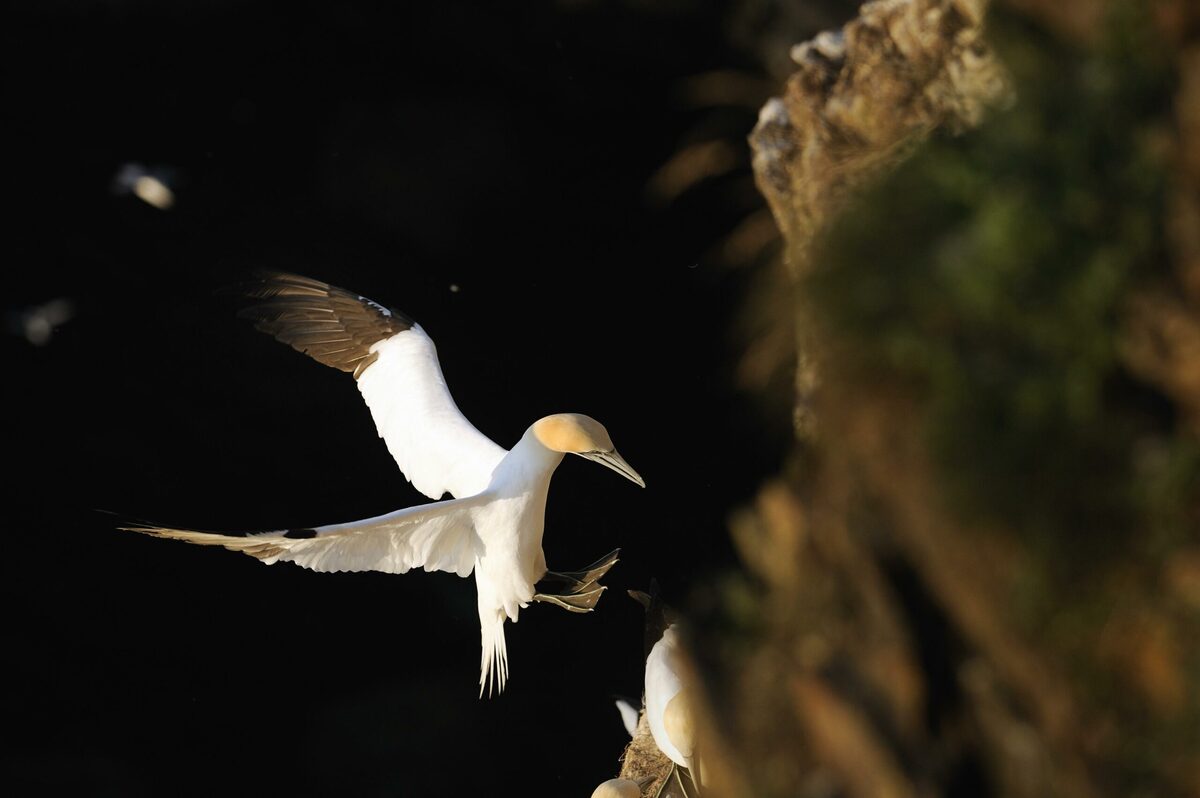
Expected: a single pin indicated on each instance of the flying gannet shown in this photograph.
(494, 525)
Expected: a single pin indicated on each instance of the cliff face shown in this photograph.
(981, 574)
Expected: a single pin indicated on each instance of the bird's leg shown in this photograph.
(580, 590)
(678, 784)
(579, 580)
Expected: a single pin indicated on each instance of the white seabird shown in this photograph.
(667, 711)
(667, 708)
(494, 526)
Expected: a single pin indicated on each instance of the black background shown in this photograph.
(396, 149)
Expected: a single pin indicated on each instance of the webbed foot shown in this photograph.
(576, 591)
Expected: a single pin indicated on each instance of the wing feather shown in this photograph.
(396, 365)
(439, 536)
(436, 447)
(303, 313)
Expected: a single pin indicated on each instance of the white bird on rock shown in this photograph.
(668, 712)
(494, 526)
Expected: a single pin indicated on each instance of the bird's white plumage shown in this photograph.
(436, 447)
(493, 529)
(663, 684)
(436, 537)
(629, 716)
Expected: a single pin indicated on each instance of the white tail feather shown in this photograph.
(493, 665)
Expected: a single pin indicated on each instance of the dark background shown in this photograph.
(395, 149)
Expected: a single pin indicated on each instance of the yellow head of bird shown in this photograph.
(575, 433)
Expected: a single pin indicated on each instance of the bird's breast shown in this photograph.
(510, 528)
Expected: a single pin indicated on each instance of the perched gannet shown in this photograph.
(494, 526)
(668, 713)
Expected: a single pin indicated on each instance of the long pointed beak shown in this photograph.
(617, 463)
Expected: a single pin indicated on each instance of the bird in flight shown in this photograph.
(493, 527)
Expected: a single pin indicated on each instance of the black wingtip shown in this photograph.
(129, 523)
(334, 326)
(124, 521)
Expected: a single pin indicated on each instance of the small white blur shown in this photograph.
(150, 185)
(38, 323)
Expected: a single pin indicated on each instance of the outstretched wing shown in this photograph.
(398, 374)
(436, 537)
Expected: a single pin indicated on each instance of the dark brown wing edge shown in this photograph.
(331, 325)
